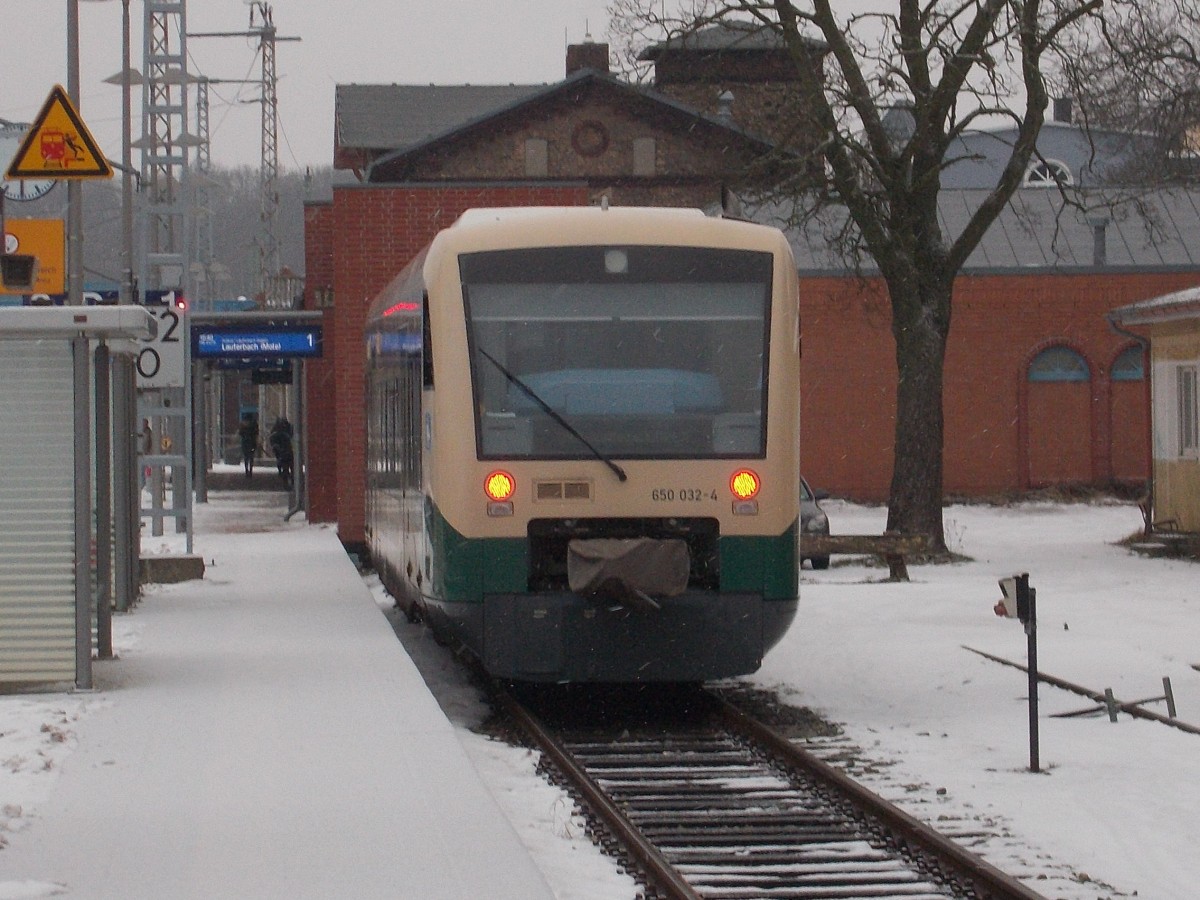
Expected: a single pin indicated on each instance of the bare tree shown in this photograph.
(1137, 69)
(953, 64)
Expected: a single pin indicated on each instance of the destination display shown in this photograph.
(242, 343)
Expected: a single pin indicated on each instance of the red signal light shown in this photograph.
(744, 483)
(499, 486)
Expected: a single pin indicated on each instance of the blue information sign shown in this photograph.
(224, 342)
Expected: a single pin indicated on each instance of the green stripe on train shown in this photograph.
(467, 568)
(770, 565)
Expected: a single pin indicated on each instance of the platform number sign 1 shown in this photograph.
(162, 361)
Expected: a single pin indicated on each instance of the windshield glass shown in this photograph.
(644, 352)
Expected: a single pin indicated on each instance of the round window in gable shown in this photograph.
(589, 138)
(1048, 173)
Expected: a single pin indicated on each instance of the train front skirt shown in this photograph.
(560, 637)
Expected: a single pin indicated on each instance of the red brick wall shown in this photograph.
(847, 401)
(1000, 322)
(375, 230)
(847, 386)
(1060, 433)
(1129, 424)
(320, 409)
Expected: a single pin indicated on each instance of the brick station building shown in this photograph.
(1039, 389)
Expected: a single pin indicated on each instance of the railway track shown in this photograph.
(706, 802)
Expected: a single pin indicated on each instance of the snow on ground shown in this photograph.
(1111, 812)
(944, 733)
(938, 729)
(544, 816)
(36, 733)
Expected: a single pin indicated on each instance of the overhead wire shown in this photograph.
(228, 105)
(287, 143)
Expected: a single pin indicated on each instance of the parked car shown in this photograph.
(813, 520)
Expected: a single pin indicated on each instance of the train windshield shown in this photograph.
(618, 352)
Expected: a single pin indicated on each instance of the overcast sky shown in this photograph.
(365, 41)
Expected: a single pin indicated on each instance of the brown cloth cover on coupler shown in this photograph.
(632, 571)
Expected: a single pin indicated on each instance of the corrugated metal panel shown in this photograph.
(37, 512)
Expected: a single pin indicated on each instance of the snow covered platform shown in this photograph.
(262, 734)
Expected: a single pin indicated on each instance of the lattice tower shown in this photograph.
(163, 146)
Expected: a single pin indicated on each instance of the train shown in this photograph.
(583, 442)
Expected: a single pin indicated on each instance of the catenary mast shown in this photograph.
(262, 27)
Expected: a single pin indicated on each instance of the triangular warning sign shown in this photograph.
(58, 145)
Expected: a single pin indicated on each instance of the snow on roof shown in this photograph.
(1184, 304)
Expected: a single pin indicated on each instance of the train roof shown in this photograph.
(501, 227)
(504, 214)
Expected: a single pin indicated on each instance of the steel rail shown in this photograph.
(988, 881)
(662, 875)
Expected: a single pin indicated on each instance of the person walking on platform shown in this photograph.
(248, 433)
(281, 446)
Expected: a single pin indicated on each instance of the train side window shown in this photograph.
(426, 344)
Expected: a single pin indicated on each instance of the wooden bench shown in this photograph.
(891, 546)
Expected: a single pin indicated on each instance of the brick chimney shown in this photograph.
(587, 55)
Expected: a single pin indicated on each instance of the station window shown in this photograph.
(1059, 364)
(1129, 365)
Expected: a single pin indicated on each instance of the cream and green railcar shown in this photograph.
(583, 440)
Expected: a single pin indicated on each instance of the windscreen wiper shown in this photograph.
(553, 414)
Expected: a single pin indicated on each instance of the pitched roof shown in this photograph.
(1036, 231)
(395, 116)
(483, 116)
(728, 35)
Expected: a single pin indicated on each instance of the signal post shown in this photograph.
(1019, 601)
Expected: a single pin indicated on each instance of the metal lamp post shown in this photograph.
(74, 189)
(83, 426)
(125, 482)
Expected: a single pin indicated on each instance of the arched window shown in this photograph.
(1129, 365)
(1048, 173)
(1059, 364)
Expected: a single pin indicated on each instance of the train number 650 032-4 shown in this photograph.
(684, 495)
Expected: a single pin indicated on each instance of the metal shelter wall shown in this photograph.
(37, 512)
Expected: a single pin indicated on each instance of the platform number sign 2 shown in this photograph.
(162, 361)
